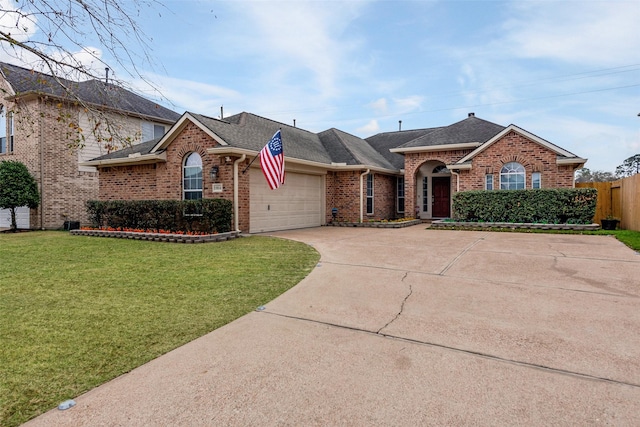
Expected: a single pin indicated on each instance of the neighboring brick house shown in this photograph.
(386, 176)
(40, 123)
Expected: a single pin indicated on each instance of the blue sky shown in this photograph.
(567, 71)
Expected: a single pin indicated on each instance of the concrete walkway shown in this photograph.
(409, 327)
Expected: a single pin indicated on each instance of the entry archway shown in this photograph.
(433, 190)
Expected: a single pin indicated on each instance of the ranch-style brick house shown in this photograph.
(39, 124)
(389, 175)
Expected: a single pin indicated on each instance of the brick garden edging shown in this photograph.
(159, 237)
(514, 225)
(376, 224)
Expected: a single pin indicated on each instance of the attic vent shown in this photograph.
(472, 114)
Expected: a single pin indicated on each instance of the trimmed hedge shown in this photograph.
(204, 215)
(547, 206)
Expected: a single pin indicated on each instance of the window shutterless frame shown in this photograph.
(370, 194)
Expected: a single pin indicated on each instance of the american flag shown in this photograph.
(272, 161)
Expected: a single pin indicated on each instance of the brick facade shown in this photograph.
(343, 193)
(163, 181)
(512, 147)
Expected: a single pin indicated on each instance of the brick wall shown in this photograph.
(43, 141)
(384, 197)
(514, 147)
(163, 181)
(343, 193)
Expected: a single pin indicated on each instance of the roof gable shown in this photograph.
(513, 128)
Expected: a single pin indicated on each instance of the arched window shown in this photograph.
(192, 177)
(512, 176)
(441, 169)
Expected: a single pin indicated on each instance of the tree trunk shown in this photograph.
(14, 224)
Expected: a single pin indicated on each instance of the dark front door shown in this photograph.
(441, 195)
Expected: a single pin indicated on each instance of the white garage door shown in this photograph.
(22, 217)
(296, 204)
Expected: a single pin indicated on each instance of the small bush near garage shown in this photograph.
(205, 215)
(547, 206)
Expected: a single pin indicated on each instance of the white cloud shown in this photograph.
(186, 95)
(380, 106)
(298, 43)
(585, 32)
(20, 27)
(408, 104)
(370, 128)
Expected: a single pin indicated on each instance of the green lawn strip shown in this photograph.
(628, 237)
(79, 311)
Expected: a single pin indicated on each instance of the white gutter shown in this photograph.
(231, 151)
(441, 147)
(571, 161)
(131, 159)
(236, 220)
(361, 196)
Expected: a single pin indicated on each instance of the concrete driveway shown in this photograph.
(410, 327)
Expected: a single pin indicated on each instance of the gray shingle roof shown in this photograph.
(99, 93)
(385, 141)
(346, 148)
(252, 132)
(471, 129)
(142, 148)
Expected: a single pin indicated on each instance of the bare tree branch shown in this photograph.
(51, 36)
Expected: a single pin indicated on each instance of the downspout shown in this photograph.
(236, 220)
(361, 195)
(41, 142)
(457, 180)
(457, 187)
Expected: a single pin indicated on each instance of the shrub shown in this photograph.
(552, 206)
(205, 215)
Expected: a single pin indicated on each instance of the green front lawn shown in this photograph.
(79, 311)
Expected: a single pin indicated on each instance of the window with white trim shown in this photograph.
(488, 182)
(512, 176)
(4, 147)
(192, 177)
(152, 131)
(536, 180)
(370, 194)
(425, 194)
(400, 194)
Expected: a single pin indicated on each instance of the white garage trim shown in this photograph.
(22, 217)
(299, 203)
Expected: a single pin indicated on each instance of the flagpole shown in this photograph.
(250, 163)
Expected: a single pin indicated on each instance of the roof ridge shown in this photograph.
(277, 122)
(405, 130)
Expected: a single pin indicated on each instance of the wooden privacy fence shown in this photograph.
(620, 199)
